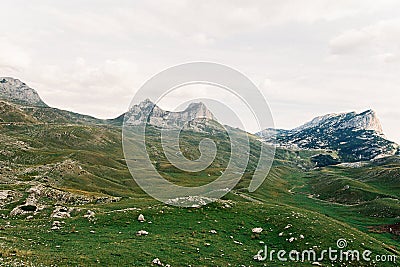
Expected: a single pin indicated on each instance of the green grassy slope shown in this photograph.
(86, 161)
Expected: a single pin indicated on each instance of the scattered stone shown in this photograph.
(142, 232)
(302, 236)
(288, 226)
(281, 234)
(213, 231)
(291, 239)
(89, 214)
(157, 261)
(141, 218)
(257, 230)
(316, 263)
(61, 212)
(190, 201)
(8, 196)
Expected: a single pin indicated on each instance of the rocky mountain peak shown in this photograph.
(367, 120)
(146, 103)
(199, 111)
(138, 114)
(355, 136)
(18, 92)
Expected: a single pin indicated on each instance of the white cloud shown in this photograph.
(380, 40)
(91, 58)
(104, 89)
(200, 19)
(13, 58)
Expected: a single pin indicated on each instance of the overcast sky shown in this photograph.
(308, 57)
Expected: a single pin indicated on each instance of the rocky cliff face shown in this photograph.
(355, 136)
(195, 112)
(14, 90)
(367, 120)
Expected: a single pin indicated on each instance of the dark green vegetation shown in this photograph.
(61, 159)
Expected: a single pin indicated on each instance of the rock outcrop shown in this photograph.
(18, 92)
(355, 136)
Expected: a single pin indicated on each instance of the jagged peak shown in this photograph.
(16, 91)
(147, 101)
(200, 110)
(11, 79)
(366, 120)
(159, 117)
(196, 105)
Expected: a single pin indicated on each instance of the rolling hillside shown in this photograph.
(67, 198)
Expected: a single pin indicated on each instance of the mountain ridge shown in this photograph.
(366, 120)
(148, 112)
(356, 136)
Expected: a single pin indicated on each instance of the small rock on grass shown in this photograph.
(142, 232)
(257, 230)
(141, 218)
(157, 262)
(288, 226)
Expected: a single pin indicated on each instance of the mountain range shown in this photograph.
(196, 117)
(353, 136)
(67, 197)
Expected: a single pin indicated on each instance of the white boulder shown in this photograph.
(257, 230)
(142, 232)
(141, 218)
